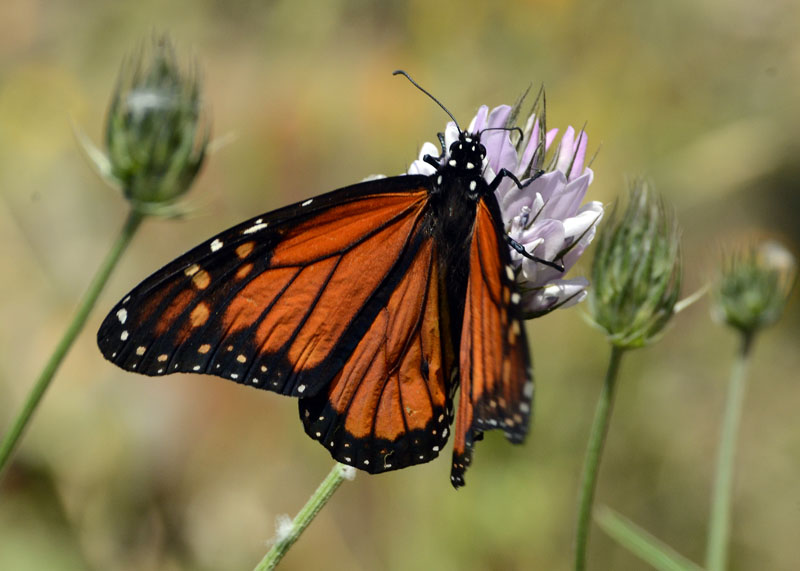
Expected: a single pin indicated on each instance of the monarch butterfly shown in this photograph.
(371, 304)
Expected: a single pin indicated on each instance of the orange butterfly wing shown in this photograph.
(495, 376)
(281, 301)
(390, 405)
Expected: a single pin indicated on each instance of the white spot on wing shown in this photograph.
(510, 272)
(307, 202)
(301, 388)
(123, 336)
(216, 244)
(122, 315)
(528, 390)
(255, 227)
(515, 297)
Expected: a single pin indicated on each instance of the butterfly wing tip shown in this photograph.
(457, 479)
(461, 461)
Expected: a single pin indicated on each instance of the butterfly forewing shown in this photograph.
(278, 302)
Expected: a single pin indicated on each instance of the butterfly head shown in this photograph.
(467, 154)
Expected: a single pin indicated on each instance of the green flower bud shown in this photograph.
(753, 287)
(636, 273)
(155, 138)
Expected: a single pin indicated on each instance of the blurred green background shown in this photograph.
(121, 472)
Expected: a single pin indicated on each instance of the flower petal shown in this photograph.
(478, 123)
(565, 150)
(580, 156)
(555, 295)
(564, 202)
(530, 144)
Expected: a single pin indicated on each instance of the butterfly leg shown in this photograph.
(537, 174)
(436, 161)
(505, 173)
(433, 161)
(521, 249)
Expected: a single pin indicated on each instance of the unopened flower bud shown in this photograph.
(636, 273)
(155, 136)
(753, 287)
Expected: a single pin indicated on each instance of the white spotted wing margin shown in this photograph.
(278, 302)
(495, 368)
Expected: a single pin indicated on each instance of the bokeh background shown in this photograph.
(121, 472)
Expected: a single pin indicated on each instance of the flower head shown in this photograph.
(636, 272)
(753, 287)
(154, 135)
(545, 216)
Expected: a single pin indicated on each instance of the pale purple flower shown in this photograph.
(545, 216)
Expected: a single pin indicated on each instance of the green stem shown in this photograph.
(594, 450)
(316, 502)
(12, 437)
(720, 522)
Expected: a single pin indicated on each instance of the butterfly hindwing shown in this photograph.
(279, 301)
(495, 374)
(390, 406)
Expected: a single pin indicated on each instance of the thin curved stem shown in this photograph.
(12, 437)
(719, 527)
(594, 451)
(286, 538)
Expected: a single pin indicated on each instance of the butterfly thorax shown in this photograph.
(457, 186)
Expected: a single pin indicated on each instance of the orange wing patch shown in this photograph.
(324, 235)
(496, 383)
(388, 407)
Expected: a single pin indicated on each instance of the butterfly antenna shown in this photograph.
(439, 103)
